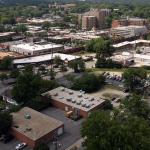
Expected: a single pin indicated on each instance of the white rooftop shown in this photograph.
(131, 42)
(35, 47)
(42, 58)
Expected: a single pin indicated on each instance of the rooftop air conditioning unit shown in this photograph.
(70, 92)
(80, 95)
(73, 101)
(92, 99)
(62, 89)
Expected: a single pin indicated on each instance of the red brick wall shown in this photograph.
(31, 143)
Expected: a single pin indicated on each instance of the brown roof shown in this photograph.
(37, 126)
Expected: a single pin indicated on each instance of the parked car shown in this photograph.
(20, 146)
(5, 138)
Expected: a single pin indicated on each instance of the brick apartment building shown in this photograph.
(94, 18)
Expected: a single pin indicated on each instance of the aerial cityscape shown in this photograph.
(75, 75)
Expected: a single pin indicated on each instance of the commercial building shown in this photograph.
(128, 31)
(39, 21)
(128, 45)
(33, 127)
(130, 21)
(75, 101)
(36, 49)
(94, 18)
(44, 58)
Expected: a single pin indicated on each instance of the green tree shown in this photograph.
(3, 76)
(109, 131)
(5, 121)
(42, 146)
(88, 83)
(21, 28)
(6, 63)
(134, 78)
(77, 65)
(57, 60)
(135, 105)
(52, 74)
(27, 87)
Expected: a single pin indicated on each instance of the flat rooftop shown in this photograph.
(36, 47)
(129, 27)
(47, 57)
(37, 126)
(76, 99)
(131, 43)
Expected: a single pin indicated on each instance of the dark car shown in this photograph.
(5, 138)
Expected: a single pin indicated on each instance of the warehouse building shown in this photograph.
(33, 127)
(75, 101)
(45, 58)
(36, 49)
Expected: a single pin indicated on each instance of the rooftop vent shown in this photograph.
(70, 92)
(62, 89)
(79, 95)
(27, 116)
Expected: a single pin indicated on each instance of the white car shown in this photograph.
(20, 146)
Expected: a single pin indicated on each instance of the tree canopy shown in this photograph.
(5, 122)
(134, 78)
(107, 131)
(88, 82)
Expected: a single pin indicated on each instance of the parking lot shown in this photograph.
(11, 145)
(72, 128)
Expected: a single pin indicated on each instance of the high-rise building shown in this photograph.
(95, 16)
(88, 22)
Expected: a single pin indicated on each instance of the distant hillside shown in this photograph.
(122, 1)
(35, 2)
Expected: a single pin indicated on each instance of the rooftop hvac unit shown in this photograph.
(62, 89)
(73, 101)
(78, 102)
(70, 92)
(79, 95)
(92, 99)
(69, 99)
(87, 105)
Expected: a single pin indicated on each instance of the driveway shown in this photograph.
(72, 128)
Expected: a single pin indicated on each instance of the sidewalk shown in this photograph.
(78, 144)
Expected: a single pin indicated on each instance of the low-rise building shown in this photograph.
(36, 49)
(44, 58)
(75, 101)
(128, 31)
(33, 127)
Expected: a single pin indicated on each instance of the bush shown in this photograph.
(88, 83)
(38, 104)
